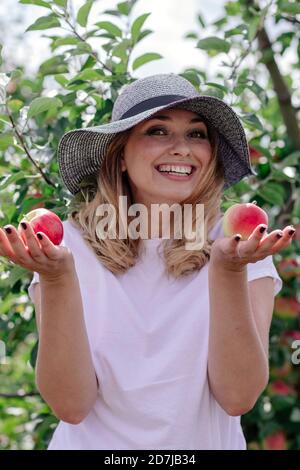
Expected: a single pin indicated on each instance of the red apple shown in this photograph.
(290, 336)
(45, 221)
(275, 441)
(282, 371)
(286, 307)
(243, 219)
(254, 155)
(279, 387)
(288, 268)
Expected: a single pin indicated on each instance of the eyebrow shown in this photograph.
(163, 117)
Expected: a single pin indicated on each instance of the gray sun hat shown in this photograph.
(81, 151)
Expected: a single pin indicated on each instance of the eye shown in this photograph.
(154, 130)
(201, 133)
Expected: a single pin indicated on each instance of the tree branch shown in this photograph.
(24, 146)
(17, 395)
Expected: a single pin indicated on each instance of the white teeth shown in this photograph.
(176, 169)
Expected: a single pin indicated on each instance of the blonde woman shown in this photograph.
(143, 343)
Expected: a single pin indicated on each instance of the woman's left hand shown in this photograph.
(234, 255)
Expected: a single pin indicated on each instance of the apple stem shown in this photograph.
(254, 202)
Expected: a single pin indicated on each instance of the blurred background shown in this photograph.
(62, 65)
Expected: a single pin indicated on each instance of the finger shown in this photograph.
(259, 233)
(30, 239)
(269, 241)
(234, 245)
(286, 239)
(251, 245)
(51, 251)
(13, 246)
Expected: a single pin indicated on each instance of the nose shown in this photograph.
(179, 146)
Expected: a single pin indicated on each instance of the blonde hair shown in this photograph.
(118, 255)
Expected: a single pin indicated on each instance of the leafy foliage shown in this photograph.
(85, 85)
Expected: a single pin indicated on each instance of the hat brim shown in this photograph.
(81, 151)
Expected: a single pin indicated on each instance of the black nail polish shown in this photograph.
(24, 225)
(8, 230)
(262, 229)
(237, 238)
(291, 232)
(279, 235)
(39, 236)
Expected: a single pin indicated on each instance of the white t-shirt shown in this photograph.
(149, 343)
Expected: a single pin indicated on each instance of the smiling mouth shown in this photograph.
(175, 172)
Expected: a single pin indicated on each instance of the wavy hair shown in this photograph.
(118, 255)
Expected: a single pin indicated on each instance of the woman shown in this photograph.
(144, 344)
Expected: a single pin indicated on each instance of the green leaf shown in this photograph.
(253, 26)
(144, 59)
(232, 8)
(273, 193)
(252, 121)
(288, 7)
(296, 208)
(217, 85)
(213, 91)
(87, 74)
(83, 13)
(110, 27)
(67, 41)
(33, 355)
(15, 105)
(81, 48)
(5, 141)
(137, 26)
(240, 29)
(278, 175)
(11, 178)
(61, 3)
(214, 44)
(292, 159)
(191, 35)
(5, 119)
(39, 3)
(54, 66)
(44, 22)
(201, 20)
(124, 8)
(192, 76)
(121, 50)
(16, 273)
(42, 104)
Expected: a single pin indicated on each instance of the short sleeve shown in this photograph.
(265, 268)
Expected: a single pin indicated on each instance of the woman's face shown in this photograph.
(174, 137)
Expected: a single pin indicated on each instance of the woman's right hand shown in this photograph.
(50, 261)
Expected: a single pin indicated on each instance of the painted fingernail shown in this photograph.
(40, 237)
(24, 225)
(291, 232)
(279, 235)
(262, 229)
(8, 230)
(237, 238)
